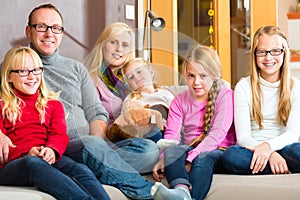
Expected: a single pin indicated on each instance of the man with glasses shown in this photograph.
(86, 117)
(44, 28)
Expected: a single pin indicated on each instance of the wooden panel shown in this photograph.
(222, 36)
(164, 43)
(263, 14)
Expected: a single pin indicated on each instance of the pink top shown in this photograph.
(112, 103)
(187, 113)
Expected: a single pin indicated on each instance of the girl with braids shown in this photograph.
(266, 109)
(32, 123)
(204, 113)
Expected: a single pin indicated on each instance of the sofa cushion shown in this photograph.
(224, 187)
(23, 193)
(258, 187)
(32, 193)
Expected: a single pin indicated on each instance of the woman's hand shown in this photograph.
(278, 164)
(260, 158)
(159, 170)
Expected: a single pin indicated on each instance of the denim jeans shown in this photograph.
(237, 159)
(202, 169)
(141, 154)
(64, 180)
(83, 176)
(155, 134)
(108, 166)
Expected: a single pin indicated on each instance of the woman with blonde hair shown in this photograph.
(113, 48)
(266, 109)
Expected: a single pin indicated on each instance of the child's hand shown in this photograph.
(278, 164)
(159, 170)
(188, 166)
(48, 155)
(261, 154)
(45, 153)
(34, 151)
(5, 144)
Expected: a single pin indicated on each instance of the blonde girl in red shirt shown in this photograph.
(33, 133)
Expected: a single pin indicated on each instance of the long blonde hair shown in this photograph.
(286, 81)
(11, 103)
(209, 60)
(95, 59)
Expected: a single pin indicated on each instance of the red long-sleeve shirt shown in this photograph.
(28, 132)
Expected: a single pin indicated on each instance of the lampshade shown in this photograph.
(156, 23)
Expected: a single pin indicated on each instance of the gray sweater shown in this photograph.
(77, 92)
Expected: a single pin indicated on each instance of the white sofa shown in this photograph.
(224, 187)
(258, 187)
(31, 193)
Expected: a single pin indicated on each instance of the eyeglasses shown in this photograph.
(26, 72)
(44, 28)
(273, 52)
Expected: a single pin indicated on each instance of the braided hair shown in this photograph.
(209, 60)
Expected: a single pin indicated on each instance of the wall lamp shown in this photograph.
(155, 23)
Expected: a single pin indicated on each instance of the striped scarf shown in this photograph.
(114, 82)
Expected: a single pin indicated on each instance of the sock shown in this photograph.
(162, 144)
(161, 192)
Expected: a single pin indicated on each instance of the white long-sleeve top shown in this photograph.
(161, 96)
(276, 135)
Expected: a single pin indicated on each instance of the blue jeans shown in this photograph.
(237, 159)
(66, 179)
(141, 154)
(108, 166)
(155, 134)
(202, 169)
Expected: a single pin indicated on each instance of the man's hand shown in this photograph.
(5, 144)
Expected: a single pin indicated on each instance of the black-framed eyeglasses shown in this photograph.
(26, 72)
(273, 52)
(44, 28)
